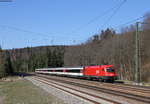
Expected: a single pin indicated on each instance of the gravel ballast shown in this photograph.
(66, 97)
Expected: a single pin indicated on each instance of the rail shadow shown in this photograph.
(121, 82)
(23, 74)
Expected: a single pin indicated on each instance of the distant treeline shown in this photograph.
(30, 58)
(106, 47)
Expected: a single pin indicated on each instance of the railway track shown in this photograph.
(92, 98)
(140, 98)
(129, 87)
(138, 90)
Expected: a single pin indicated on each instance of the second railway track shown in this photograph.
(140, 98)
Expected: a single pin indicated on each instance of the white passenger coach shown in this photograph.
(76, 71)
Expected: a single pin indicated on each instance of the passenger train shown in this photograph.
(98, 72)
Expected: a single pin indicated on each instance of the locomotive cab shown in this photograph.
(110, 74)
(109, 70)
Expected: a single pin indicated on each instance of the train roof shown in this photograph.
(62, 68)
(76, 68)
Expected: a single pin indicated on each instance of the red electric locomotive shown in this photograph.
(98, 72)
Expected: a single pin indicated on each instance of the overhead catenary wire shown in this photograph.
(28, 32)
(23, 30)
(43, 34)
(131, 21)
(115, 8)
(114, 12)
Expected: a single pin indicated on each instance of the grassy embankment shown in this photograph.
(21, 91)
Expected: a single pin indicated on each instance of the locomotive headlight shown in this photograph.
(105, 69)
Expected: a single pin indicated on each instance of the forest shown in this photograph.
(106, 47)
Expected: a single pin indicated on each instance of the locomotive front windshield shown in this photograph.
(110, 69)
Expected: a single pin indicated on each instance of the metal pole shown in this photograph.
(137, 68)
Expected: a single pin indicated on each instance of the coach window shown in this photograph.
(74, 71)
(58, 70)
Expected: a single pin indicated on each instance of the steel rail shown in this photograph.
(131, 88)
(124, 87)
(95, 102)
(144, 99)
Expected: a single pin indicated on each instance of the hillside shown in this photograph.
(106, 47)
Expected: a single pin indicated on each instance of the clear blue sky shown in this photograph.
(52, 22)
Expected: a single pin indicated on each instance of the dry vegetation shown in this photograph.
(16, 90)
(117, 49)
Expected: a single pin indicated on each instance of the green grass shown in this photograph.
(24, 92)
